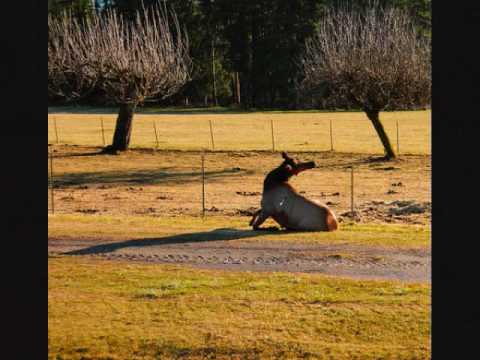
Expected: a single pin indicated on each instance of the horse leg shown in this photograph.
(254, 217)
(260, 219)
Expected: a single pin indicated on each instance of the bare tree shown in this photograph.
(371, 58)
(71, 70)
(131, 61)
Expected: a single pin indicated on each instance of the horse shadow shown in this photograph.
(222, 234)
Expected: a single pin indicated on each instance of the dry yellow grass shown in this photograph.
(161, 183)
(120, 310)
(294, 131)
(112, 310)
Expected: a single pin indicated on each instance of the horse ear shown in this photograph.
(284, 155)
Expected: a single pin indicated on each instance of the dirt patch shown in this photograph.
(337, 260)
(249, 193)
(397, 211)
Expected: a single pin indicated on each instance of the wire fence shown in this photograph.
(208, 190)
(344, 132)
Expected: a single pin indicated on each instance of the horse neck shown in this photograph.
(276, 177)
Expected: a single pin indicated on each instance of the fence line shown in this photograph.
(347, 185)
(340, 140)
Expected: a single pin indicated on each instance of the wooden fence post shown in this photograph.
(398, 141)
(331, 136)
(351, 193)
(203, 184)
(51, 180)
(211, 134)
(55, 126)
(103, 130)
(273, 137)
(155, 130)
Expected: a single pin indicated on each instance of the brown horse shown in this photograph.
(287, 207)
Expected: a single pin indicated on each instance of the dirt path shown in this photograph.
(338, 260)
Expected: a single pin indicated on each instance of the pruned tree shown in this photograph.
(71, 61)
(131, 61)
(372, 58)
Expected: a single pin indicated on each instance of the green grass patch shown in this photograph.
(230, 228)
(117, 310)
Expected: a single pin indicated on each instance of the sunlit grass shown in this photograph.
(293, 131)
(118, 310)
(141, 227)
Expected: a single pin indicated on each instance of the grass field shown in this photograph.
(293, 131)
(120, 309)
(168, 183)
(115, 310)
(140, 227)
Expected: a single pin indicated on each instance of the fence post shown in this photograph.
(51, 179)
(273, 137)
(398, 141)
(55, 126)
(203, 183)
(211, 134)
(351, 192)
(103, 130)
(155, 130)
(331, 136)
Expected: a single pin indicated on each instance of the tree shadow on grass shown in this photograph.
(372, 160)
(222, 234)
(143, 177)
(90, 153)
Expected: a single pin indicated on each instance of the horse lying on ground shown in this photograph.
(287, 207)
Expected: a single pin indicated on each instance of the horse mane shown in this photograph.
(278, 176)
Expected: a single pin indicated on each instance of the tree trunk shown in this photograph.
(237, 86)
(123, 127)
(374, 118)
(213, 75)
(234, 89)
